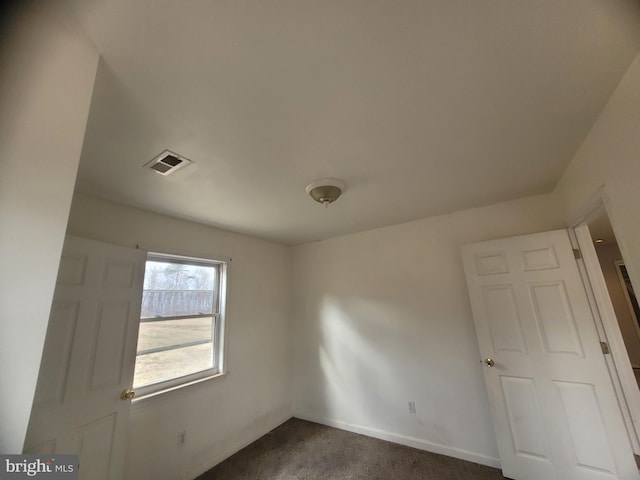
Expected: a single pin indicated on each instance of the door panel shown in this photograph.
(580, 407)
(53, 376)
(540, 259)
(525, 419)
(72, 269)
(554, 408)
(109, 341)
(96, 441)
(89, 358)
(504, 321)
(555, 319)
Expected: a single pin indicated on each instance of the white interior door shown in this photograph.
(555, 412)
(89, 358)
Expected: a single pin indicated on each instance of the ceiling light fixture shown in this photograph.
(325, 191)
(599, 241)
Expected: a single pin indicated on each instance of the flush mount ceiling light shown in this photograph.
(325, 191)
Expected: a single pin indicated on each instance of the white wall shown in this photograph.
(223, 415)
(607, 255)
(383, 317)
(48, 70)
(610, 157)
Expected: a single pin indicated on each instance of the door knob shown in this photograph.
(127, 394)
(489, 362)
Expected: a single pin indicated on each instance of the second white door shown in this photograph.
(555, 412)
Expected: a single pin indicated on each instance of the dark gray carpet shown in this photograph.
(304, 450)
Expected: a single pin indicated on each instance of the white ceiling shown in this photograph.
(420, 107)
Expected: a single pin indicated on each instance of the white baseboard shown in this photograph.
(199, 468)
(408, 441)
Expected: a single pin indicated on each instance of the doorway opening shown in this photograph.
(616, 310)
(623, 299)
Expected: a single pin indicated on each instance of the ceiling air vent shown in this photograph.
(167, 162)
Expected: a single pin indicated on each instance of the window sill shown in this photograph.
(139, 400)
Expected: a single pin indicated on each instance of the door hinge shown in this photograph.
(577, 253)
(605, 348)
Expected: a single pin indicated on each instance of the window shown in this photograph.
(181, 332)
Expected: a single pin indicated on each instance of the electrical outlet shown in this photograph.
(182, 438)
(412, 407)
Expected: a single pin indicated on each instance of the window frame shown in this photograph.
(218, 319)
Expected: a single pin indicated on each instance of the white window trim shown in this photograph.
(219, 318)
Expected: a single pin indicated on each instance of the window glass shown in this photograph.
(179, 334)
(177, 289)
